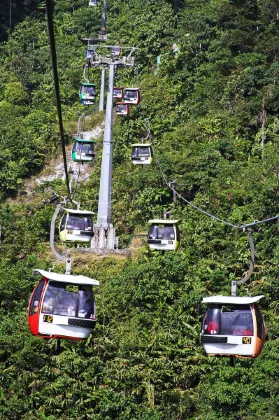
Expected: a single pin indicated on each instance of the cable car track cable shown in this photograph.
(243, 227)
(49, 13)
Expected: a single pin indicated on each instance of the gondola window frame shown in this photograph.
(60, 296)
(63, 222)
(227, 326)
(36, 297)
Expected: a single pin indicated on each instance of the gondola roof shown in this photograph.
(87, 84)
(80, 212)
(84, 140)
(67, 278)
(141, 145)
(165, 221)
(232, 300)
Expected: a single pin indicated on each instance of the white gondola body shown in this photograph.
(73, 233)
(83, 157)
(144, 158)
(77, 236)
(243, 336)
(59, 326)
(169, 240)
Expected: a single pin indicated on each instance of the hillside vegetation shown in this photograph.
(213, 110)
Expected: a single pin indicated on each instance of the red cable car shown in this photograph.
(131, 96)
(62, 306)
(122, 109)
(118, 92)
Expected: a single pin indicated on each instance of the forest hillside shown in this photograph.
(212, 99)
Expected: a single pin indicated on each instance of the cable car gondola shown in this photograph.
(115, 51)
(142, 154)
(118, 92)
(131, 96)
(76, 226)
(122, 108)
(93, 2)
(62, 306)
(87, 93)
(233, 326)
(163, 235)
(83, 150)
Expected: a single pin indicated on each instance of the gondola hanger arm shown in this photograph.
(167, 213)
(67, 260)
(148, 130)
(251, 267)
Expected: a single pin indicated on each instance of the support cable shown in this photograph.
(147, 121)
(49, 10)
(244, 226)
(81, 129)
(167, 213)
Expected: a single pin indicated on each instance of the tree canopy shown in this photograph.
(213, 111)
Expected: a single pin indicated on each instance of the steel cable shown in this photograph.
(49, 13)
(243, 227)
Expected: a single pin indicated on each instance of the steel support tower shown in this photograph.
(104, 238)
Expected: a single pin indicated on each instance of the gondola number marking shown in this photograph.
(246, 340)
(48, 318)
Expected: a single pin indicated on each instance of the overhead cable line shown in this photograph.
(81, 128)
(170, 186)
(49, 12)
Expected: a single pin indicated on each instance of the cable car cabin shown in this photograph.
(76, 226)
(141, 154)
(83, 150)
(163, 235)
(118, 92)
(62, 306)
(115, 51)
(122, 109)
(87, 93)
(93, 2)
(233, 326)
(131, 96)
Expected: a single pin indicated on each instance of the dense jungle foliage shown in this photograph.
(213, 108)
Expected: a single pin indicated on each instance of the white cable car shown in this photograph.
(122, 109)
(62, 306)
(115, 51)
(131, 96)
(118, 92)
(233, 326)
(163, 235)
(93, 2)
(142, 154)
(76, 226)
